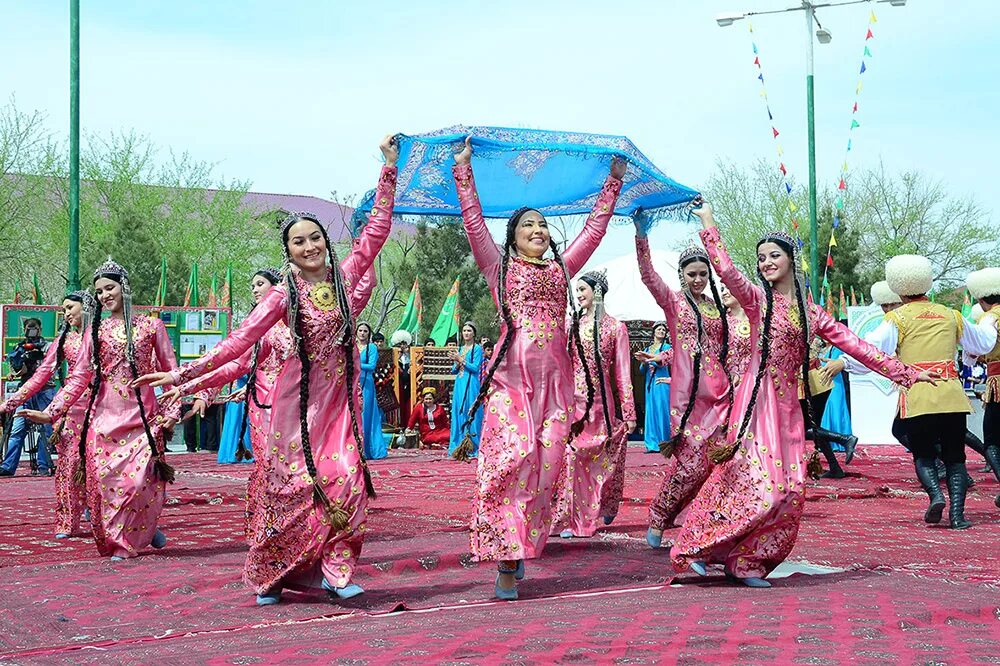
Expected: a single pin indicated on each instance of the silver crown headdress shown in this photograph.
(598, 281)
(112, 268)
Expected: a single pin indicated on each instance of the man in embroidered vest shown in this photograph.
(931, 417)
(984, 286)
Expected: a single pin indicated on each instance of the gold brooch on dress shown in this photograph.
(322, 296)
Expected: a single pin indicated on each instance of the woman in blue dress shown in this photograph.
(371, 416)
(468, 363)
(656, 427)
(231, 426)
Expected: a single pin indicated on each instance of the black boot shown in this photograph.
(849, 442)
(942, 471)
(835, 471)
(927, 474)
(956, 496)
(974, 443)
(992, 455)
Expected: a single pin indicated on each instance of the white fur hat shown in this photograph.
(401, 336)
(909, 275)
(984, 283)
(976, 314)
(882, 295)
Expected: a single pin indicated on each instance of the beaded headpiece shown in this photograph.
(787, 241)
(598, 281)
(692, 252)
(111, 268)
(294, 217)
(272, 274)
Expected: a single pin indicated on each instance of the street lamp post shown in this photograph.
(824, 37)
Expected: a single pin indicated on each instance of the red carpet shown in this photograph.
(586, 601)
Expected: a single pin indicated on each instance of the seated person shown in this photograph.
(431, 420)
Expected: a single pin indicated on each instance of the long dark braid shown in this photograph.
(724, 355)
(814, 467)
(667, 448)
(95, 385)
(60, 351)
(721, 455)
(599, 365)
(576, 341)
(249, 393)
(160, 466)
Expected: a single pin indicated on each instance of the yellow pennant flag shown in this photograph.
(751, 24)
(781, 151)
(833, 241)
(792, 207)
(845, 166)
(859, 87)
(871, 19)
(805, 266)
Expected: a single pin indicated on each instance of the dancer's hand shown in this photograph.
(237, 396)
(3, 407)
(154, 379)
(168, 398)
(197, 409)
(703, 210)
(663, 380)
(464, 156)
(929, 377)
(630, 427)
(644, 357)
(831, 370)
(618, 167)
(35, 416)
(390, 149)
(168, 424)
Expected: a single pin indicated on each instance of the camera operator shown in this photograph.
(24, 361)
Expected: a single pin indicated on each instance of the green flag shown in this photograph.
(967, 305)
(447, 322)
(213, 299)
(17, 291)
(161, 289)
(413, 315)
(35, 291)
(191, 296)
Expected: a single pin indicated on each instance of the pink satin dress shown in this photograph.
(738, 359)
(704, 425)
(69, 494)
(747, 514)
(292, 540)
(530, 406)
(124, 494)
(593, 477)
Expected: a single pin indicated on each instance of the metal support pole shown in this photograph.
(73, 272)
(811, 122)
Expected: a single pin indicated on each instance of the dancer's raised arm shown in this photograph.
(585, 244)
(742, 289)
(484, 248)
(376, 232)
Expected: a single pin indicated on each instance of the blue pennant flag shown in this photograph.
(761, 77)
(836, 221)
(769, 116)
(754, 47)
(802, 243)
(863, 68)
(848, 144)
(788, 188)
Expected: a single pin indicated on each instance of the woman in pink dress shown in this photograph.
(738, 360)
(747, 514)
(528, 388)
(592, 480)
(123, 433)
(309, 519)
(700, 391)
(69, 494)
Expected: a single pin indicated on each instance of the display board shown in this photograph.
(873, 397)
(192, 331)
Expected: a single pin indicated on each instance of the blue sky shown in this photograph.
(295, 96)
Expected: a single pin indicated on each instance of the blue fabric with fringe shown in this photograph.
(557, 173)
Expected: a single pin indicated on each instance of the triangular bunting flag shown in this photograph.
(788, 188)
(769, 115)
(775, 132)
(855, 108)
(848, 145)
(872, 19)
(784, 172)
(795, 223)
(855, 123)
(858, 89)
(863, 68)
(833, 241)
(829, 261)
(843, 185)
(844, 168)
(781, 151)
(792, 207)
(801, 244)
(868, 52)
(870, 34)
(761, 77)
(750, 24)
(840, 203)
(755, 46)
(756, 61)
(836, 221)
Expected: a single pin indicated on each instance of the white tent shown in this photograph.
(628, 299)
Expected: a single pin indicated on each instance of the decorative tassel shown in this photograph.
(464, 450)
(814, 467)
(339, 519)
(577, 428)
(667, 447)
(369, 485)
(242, 453)
(722, 454)
(164, 470)
(80, 476)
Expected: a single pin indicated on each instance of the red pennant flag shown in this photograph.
(795, 223)
(784, 171)
(775, 132)
(855, 107)
(869, 35)
(756, 61)
(843, 185)
(829, 260)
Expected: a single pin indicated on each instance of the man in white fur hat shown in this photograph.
(885, 297)
(932, 417)
(984, 286)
